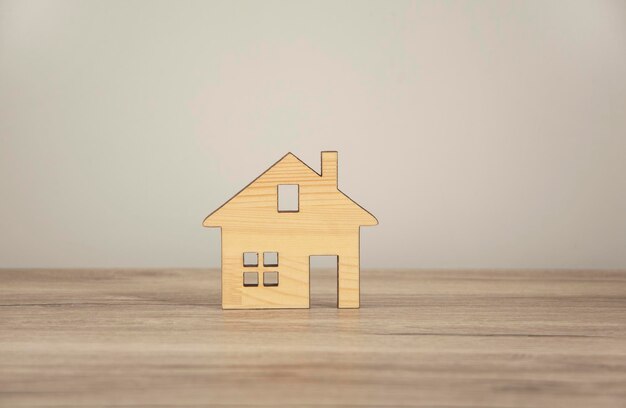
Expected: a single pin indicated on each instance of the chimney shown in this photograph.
(329, 167)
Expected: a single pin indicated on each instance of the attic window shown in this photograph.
(288, 198)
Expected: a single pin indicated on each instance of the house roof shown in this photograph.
(290, 169)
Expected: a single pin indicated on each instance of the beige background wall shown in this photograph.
(481, 134)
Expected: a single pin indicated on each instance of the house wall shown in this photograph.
(294, 248)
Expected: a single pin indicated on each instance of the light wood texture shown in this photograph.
(327, 223)
(421, 338)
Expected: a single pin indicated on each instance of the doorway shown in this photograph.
(323, 280)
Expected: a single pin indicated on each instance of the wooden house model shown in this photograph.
(272, 227)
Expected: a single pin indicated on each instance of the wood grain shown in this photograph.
(421, 338)
(328, 223)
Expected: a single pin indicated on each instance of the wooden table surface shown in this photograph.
(421, 338)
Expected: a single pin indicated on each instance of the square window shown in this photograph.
(270, 278)
(270, 258)
(288, 198)
(250, 279)
(250, 259)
